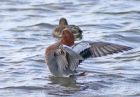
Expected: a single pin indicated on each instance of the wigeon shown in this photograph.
(77, 32)
(64, 56)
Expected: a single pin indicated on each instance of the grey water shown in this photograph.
(26, 30)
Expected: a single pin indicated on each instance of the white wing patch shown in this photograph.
(67, 46)
(81, 47)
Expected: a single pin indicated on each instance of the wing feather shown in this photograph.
(73, 58)
(67, 59)
(98, 49)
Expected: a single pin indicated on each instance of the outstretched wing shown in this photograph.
(67, 59)
(73, 58)
(98, 49)
(62, 61)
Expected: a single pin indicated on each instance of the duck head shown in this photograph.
(63, 22)
(67, 37)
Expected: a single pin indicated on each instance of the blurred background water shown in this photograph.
(26, 30)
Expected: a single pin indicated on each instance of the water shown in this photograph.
(25, 32)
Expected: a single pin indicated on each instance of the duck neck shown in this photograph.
(67, 42)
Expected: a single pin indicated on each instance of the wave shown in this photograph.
(35, 27)
(43, 25)
(119, 12)
(26, 87)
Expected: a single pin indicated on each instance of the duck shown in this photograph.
(64, 56)
(63, 23)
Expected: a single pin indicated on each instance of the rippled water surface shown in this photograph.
(25, 32)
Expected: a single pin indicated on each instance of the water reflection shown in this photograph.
(63, 81)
